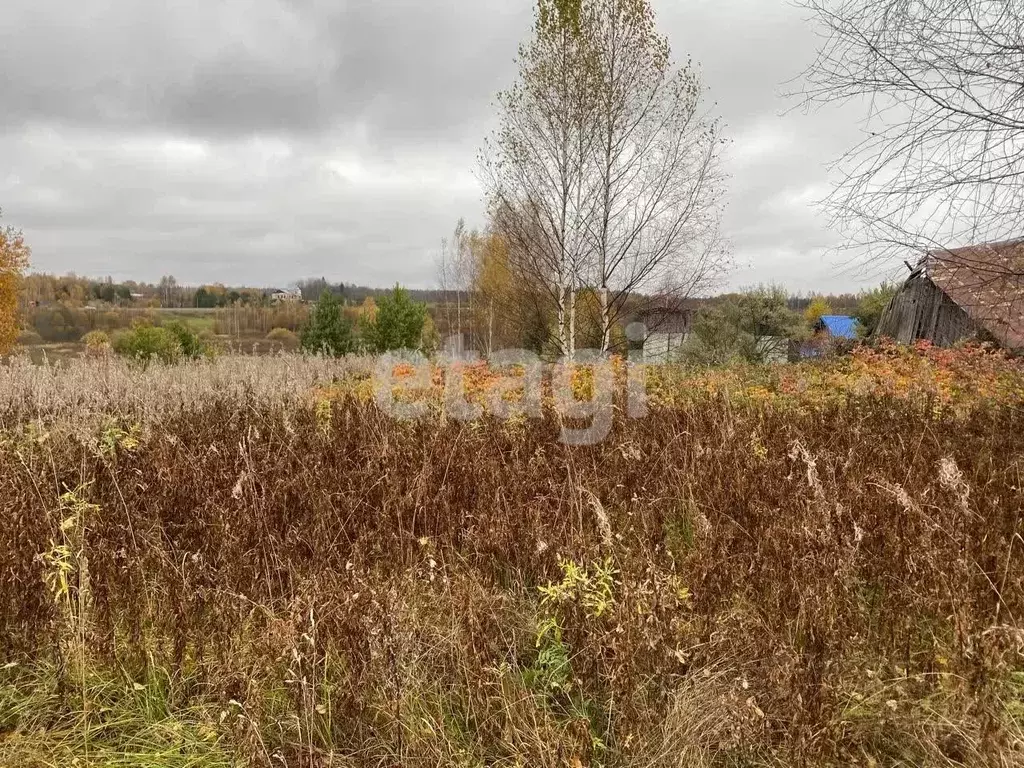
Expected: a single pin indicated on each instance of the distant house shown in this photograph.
(278, 295)
(977, 291)
(772, 349)
(667, 331)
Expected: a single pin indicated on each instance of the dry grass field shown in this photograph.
(246, 562)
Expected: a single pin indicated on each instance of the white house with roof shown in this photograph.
(278, 295)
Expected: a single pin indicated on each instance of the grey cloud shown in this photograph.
(238, 93)
(752, 54)
(403, 69)
(230, 213)
(265, 140)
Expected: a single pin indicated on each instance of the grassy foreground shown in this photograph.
(246, 562)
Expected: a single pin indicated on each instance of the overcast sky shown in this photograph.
(260, 141)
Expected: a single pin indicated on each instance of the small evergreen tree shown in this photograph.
(328, 330)
(397, 324)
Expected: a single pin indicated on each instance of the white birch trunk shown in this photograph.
(572, 325)
(606, 322)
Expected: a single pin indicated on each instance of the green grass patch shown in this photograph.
(110, 721)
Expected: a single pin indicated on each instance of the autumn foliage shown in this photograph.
(958, 380)
(813, 565)
(14, 257)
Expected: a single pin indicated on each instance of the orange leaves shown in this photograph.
(956, 380)
(961, 378)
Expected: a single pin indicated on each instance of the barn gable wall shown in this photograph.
(921, 310)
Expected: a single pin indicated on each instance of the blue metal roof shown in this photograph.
(840, 326)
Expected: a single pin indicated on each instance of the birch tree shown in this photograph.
(535, 165)
(657, 189)
(454, 270)
(604, 171)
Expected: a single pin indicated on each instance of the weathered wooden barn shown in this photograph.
(953, 295)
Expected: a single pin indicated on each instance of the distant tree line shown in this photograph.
(75, 291)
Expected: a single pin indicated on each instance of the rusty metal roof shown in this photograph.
(988, 282)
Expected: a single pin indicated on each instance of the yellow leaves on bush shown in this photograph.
(959, 379)
(14, 256)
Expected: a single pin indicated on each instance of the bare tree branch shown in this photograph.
(942, 82)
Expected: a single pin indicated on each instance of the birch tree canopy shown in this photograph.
(603, 174)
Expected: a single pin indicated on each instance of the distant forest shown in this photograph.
(76, 291)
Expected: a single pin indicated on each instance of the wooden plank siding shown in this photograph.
(922, 310)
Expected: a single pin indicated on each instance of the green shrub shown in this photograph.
(753, 327)
(145, 343)
(192, 345)
(285, 338)
(328, 331)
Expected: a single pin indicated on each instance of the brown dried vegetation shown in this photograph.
(715, 584)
